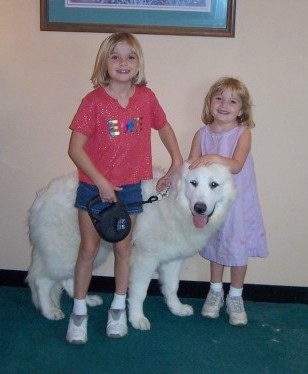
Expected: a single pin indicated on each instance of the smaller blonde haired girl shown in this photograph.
(226, 139)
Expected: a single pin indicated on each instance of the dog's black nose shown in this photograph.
(200, 208)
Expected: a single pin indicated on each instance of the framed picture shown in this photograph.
(165, 17)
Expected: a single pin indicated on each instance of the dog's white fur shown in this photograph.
(163, 237)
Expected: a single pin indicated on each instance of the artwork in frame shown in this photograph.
(165, 17)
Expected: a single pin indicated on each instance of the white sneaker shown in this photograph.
(117, 323)
(213, 302)
(77, 329)
(236, 311)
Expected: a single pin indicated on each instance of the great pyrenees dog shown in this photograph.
(169, 230)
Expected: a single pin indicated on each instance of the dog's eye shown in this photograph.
(214, 185)
(194, 183)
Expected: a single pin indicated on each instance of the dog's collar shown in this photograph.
(158, 197)
(163, 195)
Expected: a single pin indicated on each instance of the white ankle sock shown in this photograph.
(216, 287)
(80, 307)
(118, 302)
(235, 292)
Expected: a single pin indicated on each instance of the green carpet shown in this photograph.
(274, 341)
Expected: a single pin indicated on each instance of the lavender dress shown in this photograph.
(242, 234)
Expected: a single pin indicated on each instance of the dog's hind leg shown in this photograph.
(91, 300)
(34, 295)
(49, 292)
(169, 275)
(141, 273)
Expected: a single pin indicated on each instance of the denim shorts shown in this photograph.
(130, 197)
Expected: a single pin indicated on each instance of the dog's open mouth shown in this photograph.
(201, 220)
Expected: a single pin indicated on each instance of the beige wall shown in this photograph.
(43, 76)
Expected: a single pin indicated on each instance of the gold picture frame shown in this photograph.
(87, 16)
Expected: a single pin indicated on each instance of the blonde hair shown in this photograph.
(234, 84)
(100, 76)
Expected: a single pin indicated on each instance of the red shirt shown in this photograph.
(119, 139)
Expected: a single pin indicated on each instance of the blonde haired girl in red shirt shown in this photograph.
(111, 146)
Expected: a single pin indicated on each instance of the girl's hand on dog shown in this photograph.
(163, 183)
(205, 161)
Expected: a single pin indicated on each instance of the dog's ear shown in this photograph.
(178, 188)
(178, 180)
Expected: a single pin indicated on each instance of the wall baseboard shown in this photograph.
(194, 289)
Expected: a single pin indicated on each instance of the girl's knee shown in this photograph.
(123, 250)
(88, 252)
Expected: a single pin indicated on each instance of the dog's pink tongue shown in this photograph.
(200, 221)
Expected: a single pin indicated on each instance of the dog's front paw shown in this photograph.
(141, 323)
(94, 300)
(54, 314)
(182, 310)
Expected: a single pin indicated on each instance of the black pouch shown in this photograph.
(113, 223)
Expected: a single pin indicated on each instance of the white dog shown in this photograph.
(167, 232)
